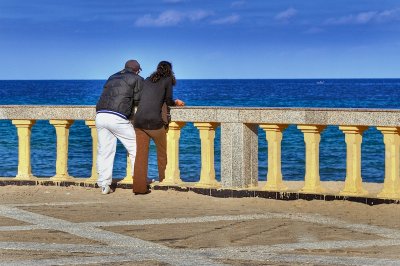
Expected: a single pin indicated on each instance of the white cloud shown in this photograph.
(361, 18)
(167, 18)
(232, 19)
(393, 14)
(366, 17)
(237, 4)
(171, 18)
(198, 15)
(286, 14)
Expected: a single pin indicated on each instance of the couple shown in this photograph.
(116, 119)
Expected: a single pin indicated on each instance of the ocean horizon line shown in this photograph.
(317, 79)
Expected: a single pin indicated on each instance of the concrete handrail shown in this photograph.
(252, 115)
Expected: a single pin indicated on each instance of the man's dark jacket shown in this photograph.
(121, 93)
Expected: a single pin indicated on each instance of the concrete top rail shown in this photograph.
(250, 115)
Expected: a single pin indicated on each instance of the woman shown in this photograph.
(149, 124)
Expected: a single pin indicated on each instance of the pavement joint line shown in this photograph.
(54, 204)
(319, 245)
(34, 246)
(306, 238)
(330, 260)
(21, 228)
(183, 220)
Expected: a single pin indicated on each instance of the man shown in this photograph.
(115, 107)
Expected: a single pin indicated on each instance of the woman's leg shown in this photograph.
(160, 139)
(141, 161)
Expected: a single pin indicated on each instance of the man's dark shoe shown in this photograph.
(142, 193)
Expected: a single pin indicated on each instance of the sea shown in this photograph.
(326, 93)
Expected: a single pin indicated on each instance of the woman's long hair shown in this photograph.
(164, 69)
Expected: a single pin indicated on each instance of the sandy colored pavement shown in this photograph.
(42, 225)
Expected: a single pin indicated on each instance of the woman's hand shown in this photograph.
(179, 102)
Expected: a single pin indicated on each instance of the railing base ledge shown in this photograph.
(214, 192)
(250, 193)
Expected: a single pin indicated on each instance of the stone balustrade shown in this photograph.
(239, 144)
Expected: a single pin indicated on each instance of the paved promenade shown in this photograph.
(42, 225)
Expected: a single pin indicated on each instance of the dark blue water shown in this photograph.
(349, 93)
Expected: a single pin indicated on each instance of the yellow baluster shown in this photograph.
(93, 131)
(353, 183)
(274, 137)
(62, 132)
(391, 185)
(207, 136)
(24, 129)
(128, 179)
(172, 172)
(312, 138)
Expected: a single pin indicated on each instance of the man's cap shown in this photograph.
(133, 64)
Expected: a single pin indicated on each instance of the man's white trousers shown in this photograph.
(111, 127)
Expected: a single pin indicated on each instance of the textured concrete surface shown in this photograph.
(298, 116)
(42, 225)
(239, 155)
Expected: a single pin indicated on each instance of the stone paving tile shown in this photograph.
(17, 255)
(389, 252)
(264, 263)
(238, 233)
(142, 263)
(44, 236)
(137, 208)
(7, 221)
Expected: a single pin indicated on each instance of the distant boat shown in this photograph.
(320, 82)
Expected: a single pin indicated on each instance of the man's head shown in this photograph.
(134, 65)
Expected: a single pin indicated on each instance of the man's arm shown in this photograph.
(137, 91)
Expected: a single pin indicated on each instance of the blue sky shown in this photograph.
(91, 39)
